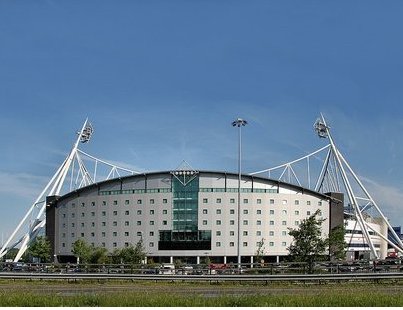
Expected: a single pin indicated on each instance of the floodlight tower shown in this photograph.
(52, 188)
(239, 122)
(323, 131)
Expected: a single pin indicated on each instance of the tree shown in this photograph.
(99, 255)
(133, 255)
(40, 249)
(82, 250)
(308, 245)
(336, 243)
(260, 251)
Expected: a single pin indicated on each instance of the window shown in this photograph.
(151, 244)
(151, 234)
(63, 235)
(284, 223)
(64, 215)
(205, 211)
(73, 225)
(139, 234)
(218, 222)
(271, 212)
(271, 201)
(152, 201)
(259, 201)
(127, 202)
(115, 223)
(231, 244)
(284, 233)
(205, 200)
(126, 234)
(284, 202)
(72, 235)
(284, 212)
(244, 233)
(63, 245)
(104, 203)
(73, 205)
(232, 222)
(127, 223)
(218, 200)
(245, 200)
(218, 244)
(126, 244)
(258, 233)
(164, 223)
(308, 212)
(115, 234)
(258, 211)
(204, 222)
(296, 202)
(245, 222)
(232, 211)
(245, 244)
(115, 202)
(218, 233)
(258, 222)
(103, 213)
(232, 233)
(245, 212)
(139, 202)
(164, 200)
(271, 243)
(73, 215)
(82, 235)
(218, 211)
(115, 213)
(164, 211)
(308, 203)
(127, 212)
(82, 224)
(138, 212)
(83, 204)
(138, 223)
(271, 233)
(284, 243)
(232, 200)
(103, 234)
(93, 203)
(296, 223)
(319, 203)
(151, 222)
(296, 212)
(271, 223)
(151, 212)
(93, 224)
(93, 213)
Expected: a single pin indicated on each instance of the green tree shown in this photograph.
(133, 254)
(260, 251)
(40, 249)
(337, 244)
(99, 255)
(308, 245)
(82, 250)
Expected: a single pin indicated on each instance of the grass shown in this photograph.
(133, 299)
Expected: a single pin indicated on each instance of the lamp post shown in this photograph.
(239, 122)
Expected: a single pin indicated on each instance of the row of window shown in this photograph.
(115, 213)
(259, 201)
(205, 200)
(246, 222)
(115, 223)
(258, 211)
(205, 211)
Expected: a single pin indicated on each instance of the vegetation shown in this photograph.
(308, 245)
(40, 249)
(336, 243)
(355, 298)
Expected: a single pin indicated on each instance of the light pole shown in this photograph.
(239, 122)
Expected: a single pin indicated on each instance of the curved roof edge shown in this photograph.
(244, 176)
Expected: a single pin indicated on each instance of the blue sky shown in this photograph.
(161, 81)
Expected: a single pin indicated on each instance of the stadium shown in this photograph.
(187, 215)
(190, 215)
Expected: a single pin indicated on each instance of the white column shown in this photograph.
(251, 262)
(225, 259)
(171, 260)
(198, 260)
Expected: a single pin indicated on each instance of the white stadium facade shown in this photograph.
(187, 215)
(190, 214)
